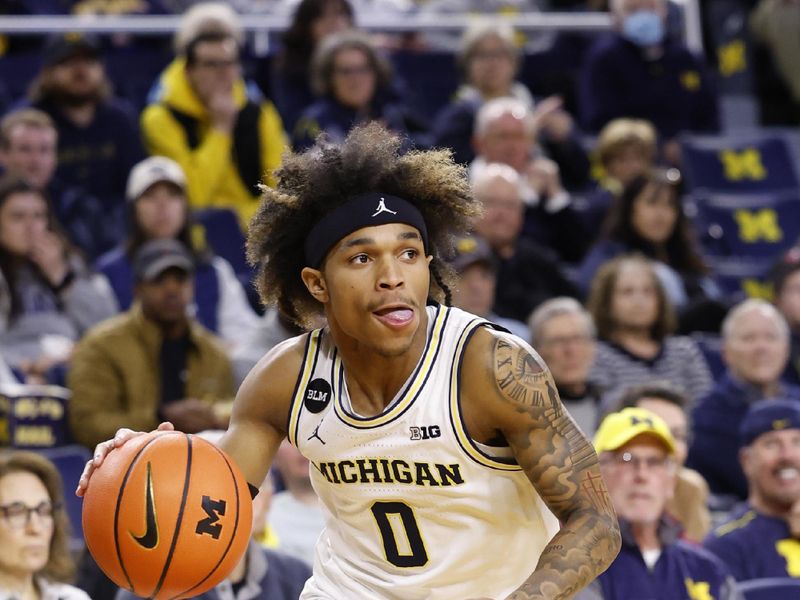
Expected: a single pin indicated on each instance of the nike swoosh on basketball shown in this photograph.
(150, 538)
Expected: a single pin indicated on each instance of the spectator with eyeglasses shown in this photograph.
(35, 562)
(689, 503)
(354, 85)
(225, 136)
(636, 452)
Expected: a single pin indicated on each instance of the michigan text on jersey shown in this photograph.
(382, 470)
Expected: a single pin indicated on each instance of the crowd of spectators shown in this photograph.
(113, 283)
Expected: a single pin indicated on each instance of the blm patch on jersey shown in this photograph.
(318, 395)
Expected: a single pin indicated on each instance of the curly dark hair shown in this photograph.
(313, 183)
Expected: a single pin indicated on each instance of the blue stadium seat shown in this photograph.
(70, 461)
(730, 40)
(772, 588)
(711, 346)
(741, 278)
(739, 164)
(224, 236)
(758, 226)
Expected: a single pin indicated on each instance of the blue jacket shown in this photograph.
(337, 120)
(715, 433)
(754, 546)
(98, 157)
(683, 571)
(116, 266)
(673, 92)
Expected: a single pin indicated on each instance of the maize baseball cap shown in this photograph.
(769, 415)
(619, 428)
(471, 250)
(153, 170)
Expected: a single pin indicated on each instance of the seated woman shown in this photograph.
(159, 209)
(625, 149)
(354, 85)
(647, 218)
(289, 80)
(36, 563)
(48, 297)
(635, 321)
(489, 61)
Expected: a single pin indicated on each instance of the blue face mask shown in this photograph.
(643, 28)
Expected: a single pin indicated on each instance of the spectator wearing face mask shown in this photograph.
(640, 72)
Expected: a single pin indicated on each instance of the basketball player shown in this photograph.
(439, 447)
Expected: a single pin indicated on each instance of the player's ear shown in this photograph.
(315, 283)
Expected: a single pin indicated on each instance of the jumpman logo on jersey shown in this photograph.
(316, 435)
(382, 208)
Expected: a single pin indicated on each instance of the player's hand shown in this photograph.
(103, 448)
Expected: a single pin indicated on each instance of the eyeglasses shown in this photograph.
(626, 460)
(17, 515)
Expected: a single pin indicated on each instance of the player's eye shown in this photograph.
(360, 259)
(410, 254)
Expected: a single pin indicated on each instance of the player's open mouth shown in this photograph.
(394, 316)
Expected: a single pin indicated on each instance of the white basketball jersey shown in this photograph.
(414, 508)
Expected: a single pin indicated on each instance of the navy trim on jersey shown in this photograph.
(411, 380)
(469, 332)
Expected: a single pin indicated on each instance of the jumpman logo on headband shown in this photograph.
(382, 208)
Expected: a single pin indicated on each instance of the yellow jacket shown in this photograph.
(213, 179)
(115, 376)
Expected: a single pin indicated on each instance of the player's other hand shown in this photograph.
(103, 448)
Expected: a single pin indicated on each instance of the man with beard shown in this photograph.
(761, 538)
(28, 140)
(154, 361)
(98, 140)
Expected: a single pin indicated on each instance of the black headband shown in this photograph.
(366, 210)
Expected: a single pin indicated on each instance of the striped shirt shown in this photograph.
(680, 361)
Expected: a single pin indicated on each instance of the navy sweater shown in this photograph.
(673, 91)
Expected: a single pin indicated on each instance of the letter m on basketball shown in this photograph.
(209, 526)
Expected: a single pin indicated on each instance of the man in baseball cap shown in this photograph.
(476, 266)
(762, 538)
(636, 453)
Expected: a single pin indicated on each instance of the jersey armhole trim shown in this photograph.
(466, 443)
(310, 355)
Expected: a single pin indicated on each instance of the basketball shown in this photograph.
(168, 515)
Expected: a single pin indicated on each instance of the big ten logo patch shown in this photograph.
(732, 58)
(758, 225)
(425, 432)
(742, 164)
(317, 396)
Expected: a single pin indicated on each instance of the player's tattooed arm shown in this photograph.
(562, 465)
